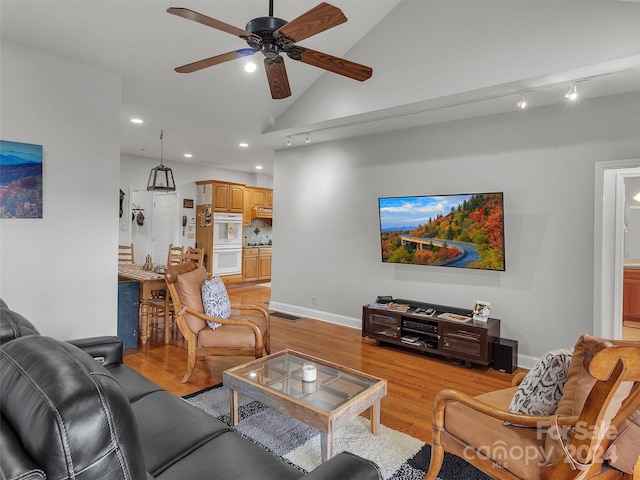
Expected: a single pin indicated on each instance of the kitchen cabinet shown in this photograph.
(631, 295)
(223, 196)
(258, 197)
(264, 264)
(261, 197)
(246, 207)
(250, 264)
(256, 264)
(227, 197)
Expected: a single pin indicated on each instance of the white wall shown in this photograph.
(61, 271)
(327, 242)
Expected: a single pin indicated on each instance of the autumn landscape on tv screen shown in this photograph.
(465, 231)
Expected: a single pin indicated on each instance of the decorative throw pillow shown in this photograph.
(541, 390)
(215, 300)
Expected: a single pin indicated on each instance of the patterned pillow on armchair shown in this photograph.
(215, 300)
(541, 390)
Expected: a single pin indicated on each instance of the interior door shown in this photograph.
(165, 225)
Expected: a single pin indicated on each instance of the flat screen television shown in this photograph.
(464, 231)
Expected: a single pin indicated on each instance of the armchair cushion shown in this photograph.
(215, 301)
(541, 390)
(624, 450)
(189, 288)
(519, 450)
(231, 336)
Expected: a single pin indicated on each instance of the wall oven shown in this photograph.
(227, 244)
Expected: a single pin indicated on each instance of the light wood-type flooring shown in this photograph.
(413, 379)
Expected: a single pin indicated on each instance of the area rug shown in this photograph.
(399, 456)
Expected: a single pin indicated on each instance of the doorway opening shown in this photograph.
(609, 244)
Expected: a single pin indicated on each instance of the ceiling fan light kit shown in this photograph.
(273, 36)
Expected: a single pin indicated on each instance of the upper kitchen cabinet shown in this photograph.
(225, 196)
(261, 203)
(261, 197)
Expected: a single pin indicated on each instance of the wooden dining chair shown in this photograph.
(125, 254)
(195, 255)
(174, 255)
(161, 305)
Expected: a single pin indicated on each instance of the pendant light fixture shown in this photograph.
(161, 177)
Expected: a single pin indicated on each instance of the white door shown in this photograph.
(165, 225)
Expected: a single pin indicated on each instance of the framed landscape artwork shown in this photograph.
(465, 231)
(20, 180)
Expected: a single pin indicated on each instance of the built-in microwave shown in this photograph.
(227, 230)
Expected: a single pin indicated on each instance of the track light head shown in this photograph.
(522, 104)
(572, 94)
(308, 139)
(288, 141)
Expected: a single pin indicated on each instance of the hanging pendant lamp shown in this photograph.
(161, 177)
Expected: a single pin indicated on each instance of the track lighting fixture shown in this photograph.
(522, 104)
(308, 139)
(288, 141)
(572, 94)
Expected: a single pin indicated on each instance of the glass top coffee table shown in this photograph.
(336, 396)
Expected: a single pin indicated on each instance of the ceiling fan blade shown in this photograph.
(331, 63)
(320, 18)
(210, 62)
(212, 22)
(277, 77)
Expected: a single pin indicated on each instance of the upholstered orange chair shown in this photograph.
(214, 335)
(593, 433)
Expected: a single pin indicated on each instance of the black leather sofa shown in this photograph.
(73, 410)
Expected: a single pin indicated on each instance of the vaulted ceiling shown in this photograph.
(432, 62)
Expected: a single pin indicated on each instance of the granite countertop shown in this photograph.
(632, 263)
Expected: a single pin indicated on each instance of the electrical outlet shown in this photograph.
(314, 300)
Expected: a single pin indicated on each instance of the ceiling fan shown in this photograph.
(273, 36)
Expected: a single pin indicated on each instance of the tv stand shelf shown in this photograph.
(470, 341)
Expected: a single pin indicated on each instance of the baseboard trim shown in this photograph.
(317, 314)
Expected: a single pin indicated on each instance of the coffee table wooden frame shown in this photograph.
(328, 420)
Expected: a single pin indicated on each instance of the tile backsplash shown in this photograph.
(259, 232)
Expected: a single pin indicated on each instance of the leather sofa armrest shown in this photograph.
(105, 350)
(346, 465)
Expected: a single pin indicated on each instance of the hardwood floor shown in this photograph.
(413, 379)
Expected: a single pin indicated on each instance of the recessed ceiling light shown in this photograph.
(187, 155)
(258, 167)
(250, 67)
(243, 144)
(137, 120)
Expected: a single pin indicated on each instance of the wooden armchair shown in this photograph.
(593, 434)
(246, 335)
